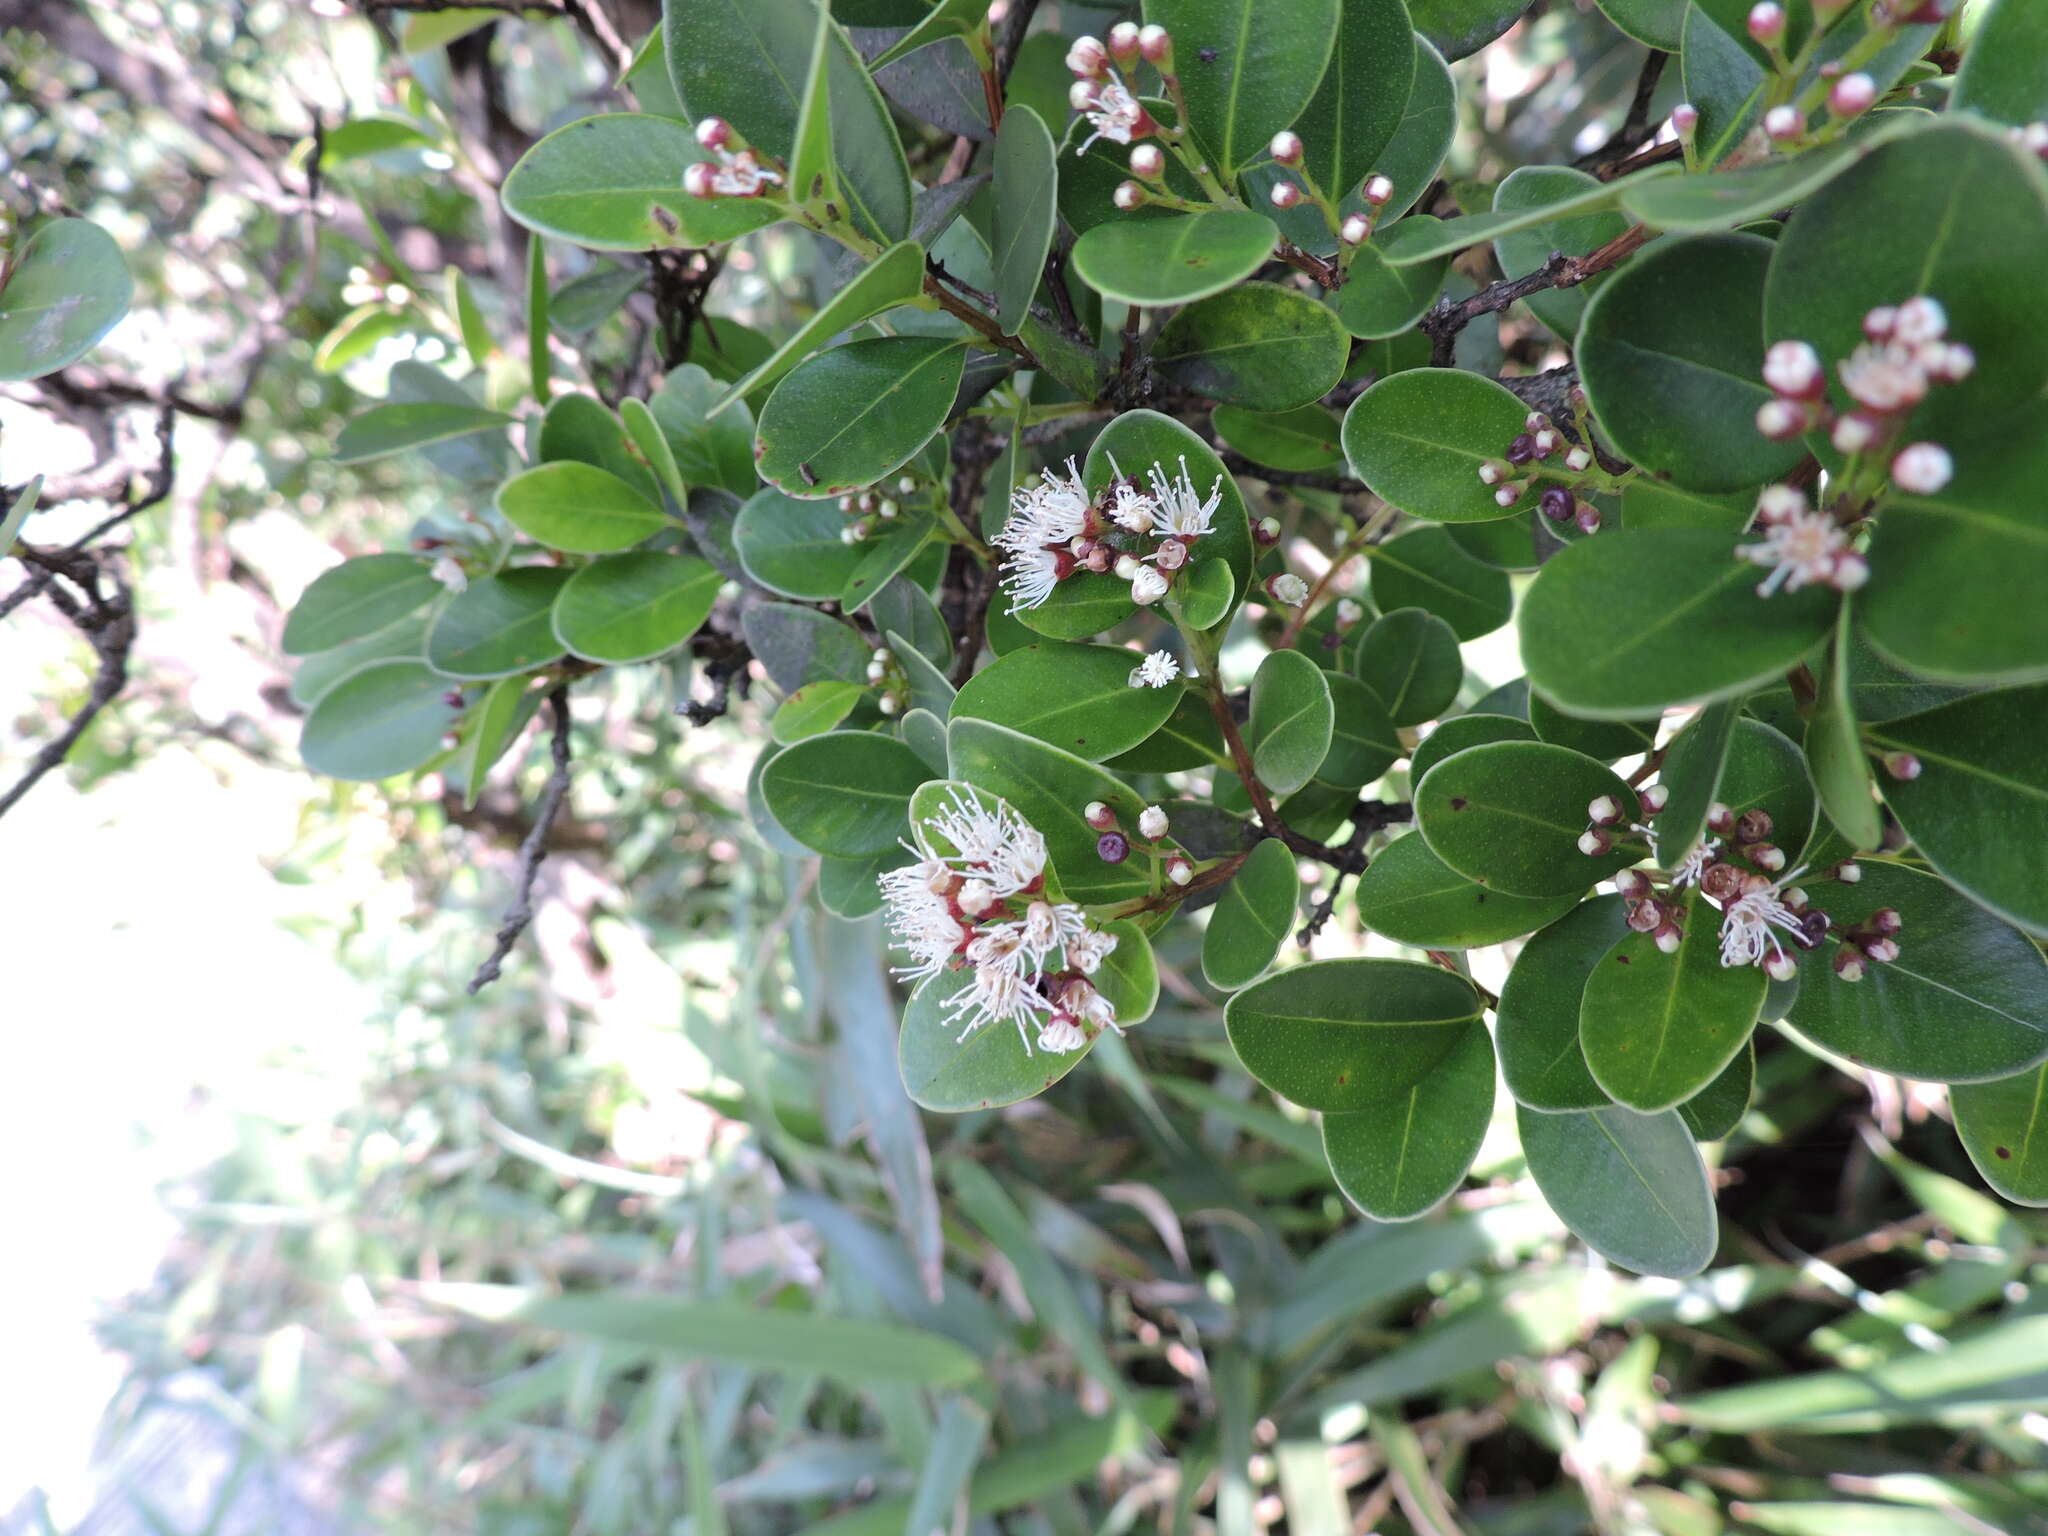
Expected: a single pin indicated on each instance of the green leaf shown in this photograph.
(813, 178)
(1173, 260)
(403, 640)
(1845, 252)
(1247, 67)
(1208, 594)
(1656, 23)
(1462, 27)
(1418, 439)
(844, 418)
(892, 278)
(385, 719)
(1349, 123)
(1766, 771)
(1425, 568)
(1649, 503)
(1022, 213)
(1416, 152)
(579, 508)
(1618, 625)
(1380, 298)
(800, 645)
(614, 182)
(1691, 776)
(948, 1470)
(494, 725)
(1252, 918)
(1985, 533)
(356, 599)
(1656, 1028)
(634, 607)
(1966, 1001)
(1363, 741)
(1999, 79)
(1050, 789)
(794, 547)
(1713, 1113)
(1290, 721)
(814, 709)
(1078, 697)
(1722, 200)
(1536, 1027)
(846, 793)
(1527, 250)
(1671, 356)
(1604, 739)
(1457, 234)
(1722, 79)
(947, 18)
(1257, 345)
(1510, 814)
(876, 570)
(995, 1065)
(846, 1349)
(66, 288)
(1631, 1186)
(500, 626)
(846, 887)
(1188, 739)
(2003, 1125)
(1342, 1034)
(482, 456)
(652, 445)
(1834, 752)
(1411, 896)
(582, 428)
(1302, 439)
(1979, 808)
(386, 429)
(1410, 660)
(1460, 732)
(1406, 1154)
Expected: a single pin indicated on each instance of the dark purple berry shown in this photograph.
(1523, 449)
(1112, 847)
(1813, 927)
(452, 698)
(1556, 504)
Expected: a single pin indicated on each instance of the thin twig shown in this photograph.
(1635, 127)
(1450, 316)
(535, 847)
(108, 624)
(1238, 464)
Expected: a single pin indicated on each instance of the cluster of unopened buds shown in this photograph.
(1113, 844)
(885, 672)
(1103, 91)
(1510, 476)
(982, 907)
(1353, 229)
(735, 169)
(1056, 528)
(1803, 545)
(866, 510)
(1904, 353)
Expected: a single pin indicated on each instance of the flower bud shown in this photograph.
(1171, 555)
(1128, 195)
(1848, 872)
(1853, 433)
(1849, 963)
(1604, 811)
(1285, 194)
(1645, 916)
(1148, 586)
(1793, 368)
(1587, 516)
(1878, 322)
(1099, 816)
(887, 508)
(1922, 468)
(1952, 362)
(1632, 885)
(1781, 967)
(906, 485)
(1767, 856)
(1595, 841)
(1920, 319)
(1287, 588)
(697, 179)
(1655, 798)
(1179, 870)
(1507, 495)
(1349, 612)
(1885, 920)
(1723, 882)
(1902, 765)
(1780, 419)
(713, 133)
(888, 703)
(1355, 230)
(1155, 47)
(1081, 95)
(1784, 124)
(1152, 823)
(1267, 530)
(852, 533)
(1767, 21)
(1813, 927)
(1112, 847)
(1378, 190)
(1127, 567)
(1148, 162)
(452, 698)
(876, 671)
(1668, 938)
(1493, 471)
(1685, 117)
(1753, 826)
(1522, 449)
(1884, 951)
(1720, 819)
(1546, 443)
(1088, 59)
(1579, 460)
(1123, 42)
(1852, 94)
(1286, 147)
(975, 897)
(1557, 504)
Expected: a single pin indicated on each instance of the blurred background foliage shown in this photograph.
(1138, 1303)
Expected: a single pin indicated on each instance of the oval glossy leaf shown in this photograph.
(1247, 67)
(1536, 1027)
(1766, 771)
(2003, 1125)
(67, 287)
(892, 278)
(1460, 732)
(1078, 697)
(1604, 739)
(795, 547)
(2000, 78)
(843, 419)
(1381, 298)
(582, 428)
(1979, 808)
(1691, 777)
(1342, 1034)
(1410, 660)
(355, 599)
(386, 719)
(1302, 439)
(813, 710)
(501, 625)
(1721, 200)
(1363, 740)
(1655, 1028)
(1510, 814)
(579, 508)
(1528, 250)
(1022, 211)
(386, 429)
(1418, 439)
(846, 793)
(1405, 1156)
(1474, 229)
(1411, 896)
(1461, 27)
(1424, 568)
(634, 607)
(614, 182)
(1290, 721)
(1050, 789)
(1173, 260)
(1358, 106)
(800, 645)
(1416, 151)
(1656, 23)
(1625, 623)
(1966, 1001)
(1671, 356)
(1713, 1113)
(1252, 918)
(1632, 1187)
(1257, 345)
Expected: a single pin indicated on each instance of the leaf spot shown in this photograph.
(1459, 802)
(2003, 1151)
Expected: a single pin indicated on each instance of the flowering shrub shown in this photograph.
(1045, 533)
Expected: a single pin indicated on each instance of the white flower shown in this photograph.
(1090, 1005)
(1695, 863)
(449, 572)
(1132, 509)
(1030, 575)
(1048, 926)
(741, 175)
(1747, 921)
(1113, 112)
(1184, 514)
(921, 918)
(1087, 950)
(1793, 368)
(1152, 823)
(1920, 319)
(1061, 1035)
(1288, 588)
(1044, 519)
(998, 992)
(1801, 546)
(1885, 378)
(1155, 671)
(1006, 850)
(1147, 586)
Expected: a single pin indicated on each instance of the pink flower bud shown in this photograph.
(1854, 433)
(1767, 21)
(1148, 162)
(1155, 46)
(1902, 765)
(1088, 59)
(1356, 229)
(1780, 503)
(697, 179)
(1645, 916)
(1587, 516)
(1632, 884)
(1123, 41)
(1767, 856)
(1081, 95)
(1099, 816)
(1720, 819)
(1378, 190)
(1878, 323)
(1604, 811)
(1112, 847)
(1784, 124)
(1179, 870)
(1267, 530)
(1579, 460)
(1849, 963)
(1286, 147)
(1920, 319)
(1655, 798)
(1595, 841)
(1781, 967)
(1507, 495)
(1685, 117)
(1952, 363)
(1152, 823)
(1922, 468)
(1128, 195)
(1287, 589)
(1848, 872)
(1851, 572)
(714, 133)
(1668, 938)
(1493, 471)
(1793, 368)
(1884, 951)
(1780, 419)
(1285, 194)
(1852, 94)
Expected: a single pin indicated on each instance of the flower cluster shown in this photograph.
(736, 170)
(1056, 528)
(1104, 94)
(1510, 476)
(1904, 353)
(1113, 845)
(1804, 546)
(982, 908)
(868, 509)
